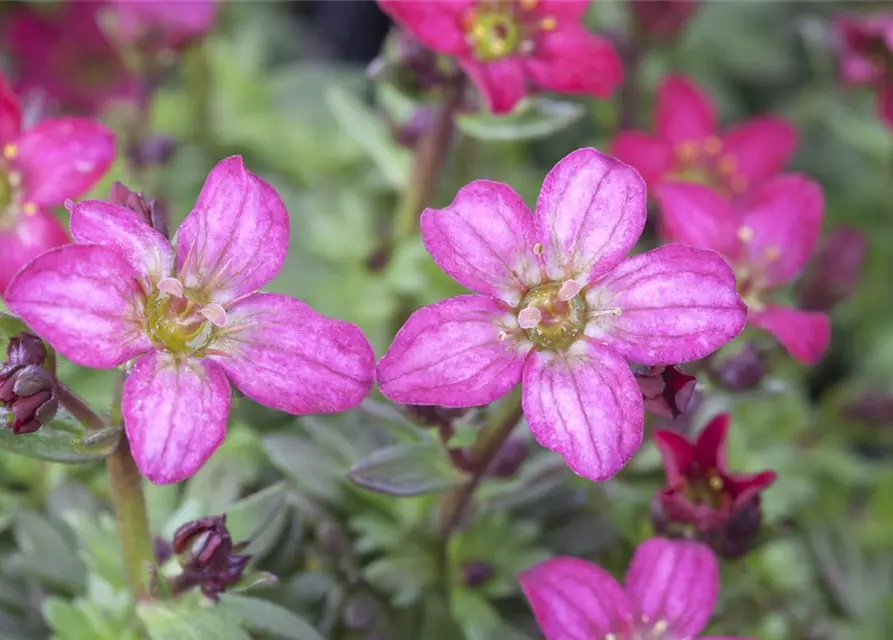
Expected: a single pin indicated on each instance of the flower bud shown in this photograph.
(477, 573)
(665, 390)
(508, 458)
(152, 211)
(833, 271)
(874, 408)
(361, 612)
(27, 390)
(207, 556)
(741, 529)
(742, 371)
(25, 349)
(662, 19)
(154, 151)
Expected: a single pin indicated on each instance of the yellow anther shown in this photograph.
(715, 483)
(745, 234)
(772, 253)
(29, 209)
(498, 47)
(529, 5)
(549, 23)
(502, 337)
(727, 165)
(712, 145)
(660, 626)
(739, 183)
(687, 151)
(479, 32)
(10, 151)
(538, 249)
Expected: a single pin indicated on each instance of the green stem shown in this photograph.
(78, 408)
(197, 80)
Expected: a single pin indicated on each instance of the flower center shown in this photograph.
(492, 34)
(704, 163)
(751, 275)
(177, 323)
(646, 629)
(707, 489)
(552, 318)
(5, 192)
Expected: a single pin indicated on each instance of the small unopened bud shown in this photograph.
(408, 133)
(742, 371)
(666, 391)
(361, 612)
(477, 573)
(152, 211)
(208, 556)
(156, 150)
(833, 272)
(508, 458)
(741, 530)
(27, 390)
(663, 19)
(874, 408)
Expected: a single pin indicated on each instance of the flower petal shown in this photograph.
(450, 354)
(710, 447)
(676, 304)
(28, 238)
(684, 112)
(575, 600)
(784, 218)
(585, 405)
(236, 238)
(761, 147)
(675, 582)
(62, 158)
(501, 82)
(86, 301)
(652, 158)
(589, 214)
(119, 228)
(805, 335)
(283, 354)
(695, 215)
(175, 415)
(484, 239)
(437, 25)
(10, 113)
(572, 60)
(676, 452)
(563, 10)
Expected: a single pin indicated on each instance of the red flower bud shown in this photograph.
(833, 272)
(665, 390)
(742, 371)
(207, 556)
(27, 390)
(663, 19)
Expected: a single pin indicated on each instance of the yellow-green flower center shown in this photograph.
(176, 324)
(561, 321)
(493, 34)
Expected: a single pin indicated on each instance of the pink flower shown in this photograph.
(868, 56)
(670, 591)
(559, 308)
(663, 19)
(191, 319)
(41, 167)
(768, 243)
(506, 46)
(688, 145)
(67, 57)
(162, 25)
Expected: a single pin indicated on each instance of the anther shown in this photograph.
(171, 286)
(10, 151)
(215, 313)
(745, 234)
(660, 626)
(772, 253)
(549, 23)
(503, 336)
(568, 290)
(727, 165)
(529, 317)
(715, 483)
(687, 151)
(712, 145)
(29, 209)
(538, 249)
(529, 5)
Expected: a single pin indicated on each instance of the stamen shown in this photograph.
(568, 290)
(739, 183)
(10, 151)
(503, 336)
(527, 47)
(727, 165)
(772, 253)
(687, 151)
(29, 209)
(549, 23)
(745, 234)
(661, 626)
(616, 311)
(68, 204)
(712, 145)
(715, 483)
(538, 249)
(529, 317)
(529, 5)
(215, 313)
(171, 286)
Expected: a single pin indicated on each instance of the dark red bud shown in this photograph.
(663, 19)
(834, 270)
(741, 529)
(477, 573)
(742, 371)
(156, 150)
(508, 458)
(25, 349)
(666, 391)
(361, 612)
(207, 556)
(27, 390)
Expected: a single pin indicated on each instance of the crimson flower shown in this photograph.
(561, 309)
(191, 319)
(768, 243)
(41, 167)
(688, 145)
(669, 594)
(663, 19)
(868, 56)
(506, 46)
(160, 25)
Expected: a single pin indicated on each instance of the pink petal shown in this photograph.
(572, 60)
(163, 24)
(805, 335)
(575, 600)
(589, 215)
(710, 447)
(563, 10)
(484, 240)
(450, 354)
(119, 228)
(501, 82)
(84, 300)
(436, 23)
(676, 304)
(696, 215)
(62, 158)
(10, 113)
(652, 158)
(30, 236)
(785, 221)
(236, 238)
(761, 147)
(175, 415)
(674, 581)
(585, 405)
(676, 453)
(283, 354)
(684, 112)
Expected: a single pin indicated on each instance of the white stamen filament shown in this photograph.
(215, 313)
(568, 290)
(171, 286)
(529, 317)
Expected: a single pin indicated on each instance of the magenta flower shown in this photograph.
(41, 167)
(191, 318)
(663, 19)
(768, 243)
(689, 147)
(868, 56)
(162, 25)
(559, 308)
(669, 594)
(504, 47)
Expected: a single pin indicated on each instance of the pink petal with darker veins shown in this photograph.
(31, 236)
(676, 304)
(585, 405)
(684, 112)
(435, 23)
(283, 354)
(651, 157)
(62, 158)
(502, 83)
(236, 237)
(761, 147)
(10, 113)
(572, 60)
(696, 215)
(484, 239)
(175, 415)
(805, 335)
(450, 354)
(575, 600)
(589, 215)
(86, 301)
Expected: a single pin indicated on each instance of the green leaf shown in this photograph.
(308, 464)
(534, 118)
(408, 469)
(187, 621)
(60, 440)
(48, 554)
(10, 325)
(259, 518)
(267, 617)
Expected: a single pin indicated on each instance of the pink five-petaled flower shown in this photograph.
(506, 45)
(41, 167)
(669, 594)
(768, 243)
(160, 25)
(191, 318)
(868, 56)
(559, 308)
(688, 145)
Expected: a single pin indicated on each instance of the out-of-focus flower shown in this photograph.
(152, 213)
(768, 243)
(688, 145)
(663, 19)
(872, 407)
(868, 56)
(701, 496)
(669, 593)
(41, 167)
(208, 557)
(154, 26)
(666, 390)
(507, 47)
(834, 270)
(743, 370)
(560, 308)
(27, 390)
(193, 319)
(65, 56)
